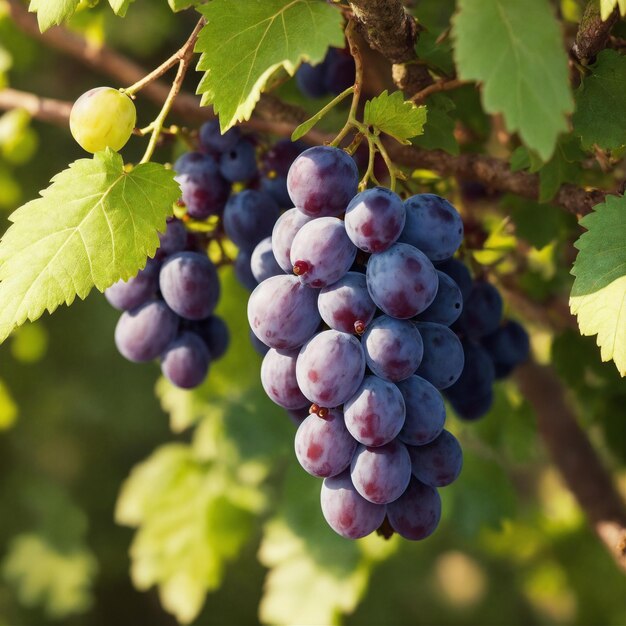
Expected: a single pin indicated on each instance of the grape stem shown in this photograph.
(183, 57)
(441, 85)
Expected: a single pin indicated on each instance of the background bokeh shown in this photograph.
(106, 487)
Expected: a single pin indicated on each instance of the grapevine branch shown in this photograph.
(593, 33)
(44, 109)
(576, 459)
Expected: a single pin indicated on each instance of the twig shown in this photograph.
(440, 85)
(575, 458)
(44, 109)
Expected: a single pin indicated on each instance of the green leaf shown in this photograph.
(180, 5)
(598, 295)
(392, 115)
(515, 49)
(601, 102)
(120, 6)
(607, 7)
(438, 55)
(439, 128)
(52, 12)
(94, 225)
(538, 224)
(244, 43)
(563, 167)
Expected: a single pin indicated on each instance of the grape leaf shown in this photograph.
(439, 129)
(598, 295)
(180, 5)
(120, 6)
(244, 43)
(601, 102)
(51, 12)
(394, 116)
(522, 64)
(95, 224)
(607, 7)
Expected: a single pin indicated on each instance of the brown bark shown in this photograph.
(593, 34)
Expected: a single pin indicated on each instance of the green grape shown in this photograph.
(102, 118)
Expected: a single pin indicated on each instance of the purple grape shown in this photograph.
(281, 155)
(285, 229)
(375, 413)
(459, 273)
(126, 295)
(425, 411)
(482, 311)
(472, 407)
(243, 270)
(416, 513)
(258, 345)
(321, 252)
(282, 312)
(322, 181)
(402, 281)
(346, 305)
(192, 162)
(263, 262)
(204, 190)
(173, 240)
(439, 462)
(212, 140)
(433, 225)
(346, 511)
(443, 358)
(278, 377)
(330, 368)
(190, 285)
(508, 347)
(340, 71)
(276, 186)
(311, 80)
(213, 331)
(381, 474)
(249, 217)
(447, 305)
(323, 445)
(393, 348)
(374, 219)
(185, 361)
(142, 334)
(239, 162)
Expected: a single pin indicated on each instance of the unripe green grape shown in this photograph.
(102, 118)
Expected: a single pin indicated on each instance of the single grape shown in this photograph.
(282, 312)
(346, 305)
(330, 368)
(472, 407)
(340, 71)
(508, 347)
(393, 348)
(443, 358)
(249, 217)
(321, 252)
(285, 229)
(439, 462)
(143, 333)
(347, 512)
(129, 294)
(459, 273)
(381, 474)
(482, 311)
(425, 411)
(447, 305)
(374, 219)
(212, 140)
(278, 377)
(402, 281)
(416, 513)
(173, 240)
(102, 118)
(433, 225)
(239, 163)
(243, 270)
(185, 361)
(190, 285)
(213, 331)
(375, 413)
(322, 181)
(323, 445)
(258, 345)
(204, 190)
(280, 156)
(263, 262)
(311, 80)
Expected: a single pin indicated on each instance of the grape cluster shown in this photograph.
(332, 76)
(356, 327)
(493, 348)
(168, 310)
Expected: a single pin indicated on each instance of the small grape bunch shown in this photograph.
(102, 118)
(356, 328)
(168, 310)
